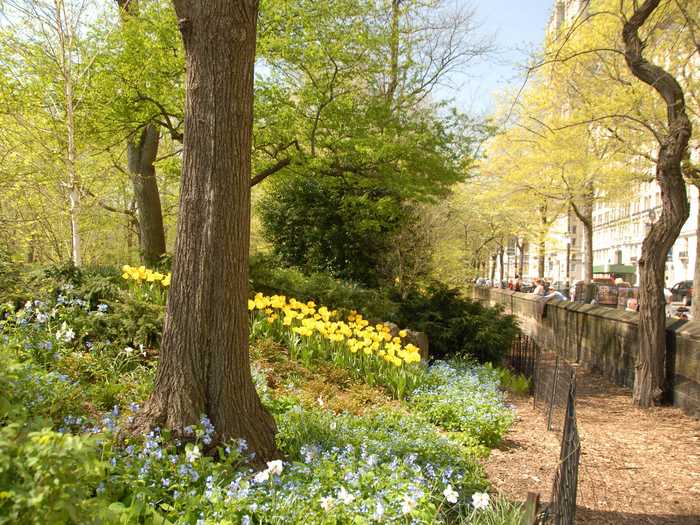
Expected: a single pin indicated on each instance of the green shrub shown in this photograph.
(337, 225)
(456, 326)
(514, 382)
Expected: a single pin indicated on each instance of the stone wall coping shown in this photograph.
(590, 309)
(687, 329)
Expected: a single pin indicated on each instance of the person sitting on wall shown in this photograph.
(556, 294)
(539, 287)
(517, 285)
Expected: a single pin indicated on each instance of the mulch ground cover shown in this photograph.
(637, 466)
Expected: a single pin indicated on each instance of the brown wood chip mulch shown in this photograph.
(637, 466)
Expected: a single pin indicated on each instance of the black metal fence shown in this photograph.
(553, 388)
(523, 356)
(550, 378)
(562, 509)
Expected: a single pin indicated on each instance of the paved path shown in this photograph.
(638, 467)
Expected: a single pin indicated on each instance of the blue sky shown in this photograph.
(518, 26)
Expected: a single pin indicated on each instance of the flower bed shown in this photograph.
(60, 462)
(317, 334)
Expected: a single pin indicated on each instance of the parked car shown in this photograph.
(527, 286)
(682, 292)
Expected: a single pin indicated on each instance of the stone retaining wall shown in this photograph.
(605, 340)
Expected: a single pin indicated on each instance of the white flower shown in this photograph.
(128, 350)
(193, 454)
(320, 401)
(275, 467)
(378, 512)
(69, 335)
(480, 500)
(450, 495)
(262, 476)
(408, 505)
(41, 317)
(345, 496)
(332, 425)
(327, 503)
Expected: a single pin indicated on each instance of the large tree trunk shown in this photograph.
(204, 364)
(649, 377)
(141, 155)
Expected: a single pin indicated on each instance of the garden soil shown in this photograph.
(637, 466)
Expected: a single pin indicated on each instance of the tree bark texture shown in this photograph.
(71, 148)
(204, 363)
(141, 156)
(649, 378)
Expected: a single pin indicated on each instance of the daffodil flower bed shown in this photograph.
(147, 283)
(314, 333)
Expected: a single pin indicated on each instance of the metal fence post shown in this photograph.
(553, 395)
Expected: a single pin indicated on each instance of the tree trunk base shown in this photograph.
(256, 427)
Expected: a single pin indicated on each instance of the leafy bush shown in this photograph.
(47, 477)
(63, 366)
(11, 282)
(512, 381)
(331, 224)
(464, 398)
(456, 326)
